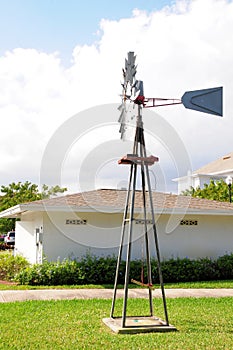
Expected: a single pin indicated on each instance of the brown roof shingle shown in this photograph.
(112, 198)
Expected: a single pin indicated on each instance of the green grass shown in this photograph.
(203, 323)
(28, 287)
(203, 284)
(207, 284)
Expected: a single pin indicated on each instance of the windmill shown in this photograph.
(133, 102)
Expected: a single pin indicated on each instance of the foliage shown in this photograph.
(7, 225)
(93, 270)
(51, 274)
(215, 190)
(48, 192)
(186, 270)
(16, 193)
(89, 270)
(101, 270)
(225, 266)
(202, 323)
(98, 270)
(11, 265)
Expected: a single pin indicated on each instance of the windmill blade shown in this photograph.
(206, 100)
(127, 121)
(130, 68)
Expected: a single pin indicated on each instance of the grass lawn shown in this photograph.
(207, 284)
(202, 323)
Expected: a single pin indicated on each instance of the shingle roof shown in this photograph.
(115, 199)
(220, 165)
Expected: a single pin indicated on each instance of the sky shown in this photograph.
(60, 85)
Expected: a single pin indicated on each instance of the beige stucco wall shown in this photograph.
(211, 237)
(99, 236)
(25, 237)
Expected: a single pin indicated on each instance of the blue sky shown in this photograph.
(59, 25)
(61, 58)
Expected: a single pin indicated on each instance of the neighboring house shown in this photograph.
(216, 170)
(72, 226)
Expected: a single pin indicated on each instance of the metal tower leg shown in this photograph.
(130, 232)
(148, 259)
(121, 242)
(129, 202)
(155, 233)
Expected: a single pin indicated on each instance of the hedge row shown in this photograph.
(93, 270)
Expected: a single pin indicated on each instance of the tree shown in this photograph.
(214, 190)
(16, 193)
(48, 192)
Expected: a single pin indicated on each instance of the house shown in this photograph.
(90, 222)
(216, 170)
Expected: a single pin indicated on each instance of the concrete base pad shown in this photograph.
(141, 324)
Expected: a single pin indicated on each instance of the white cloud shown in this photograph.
(186, 46)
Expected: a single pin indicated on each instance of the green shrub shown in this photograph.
(97, 270)
(51, 274)
(225, 266)
(186, 270)
(11, 265)
(101, 270)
